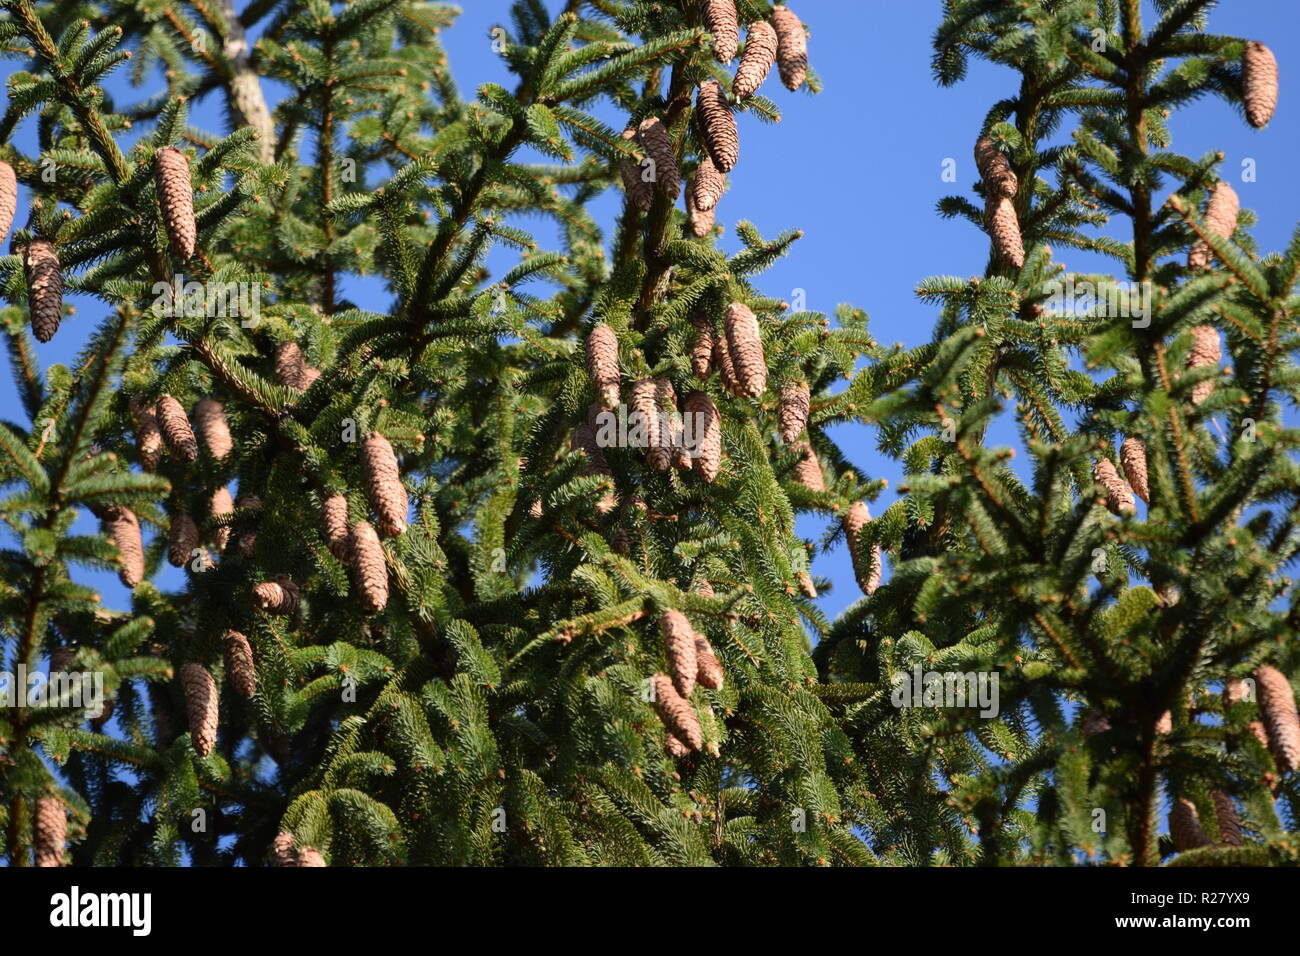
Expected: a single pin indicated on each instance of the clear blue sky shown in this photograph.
(858, 169)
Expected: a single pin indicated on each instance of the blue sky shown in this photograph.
(858, 168)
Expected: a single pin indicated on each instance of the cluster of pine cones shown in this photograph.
(691, 660)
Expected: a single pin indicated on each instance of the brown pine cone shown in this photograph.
(757, 59)
(284, 851)
(201, 705)
(1229, 823)
(334, 525)
(182, 540)
(701, 346)
(1004, 229)
(792, 47)
(1185, 826)
(709, 673)
(745, 345)
(648, 420)
(369, 569)
(1259, 83)
(121, 525)
(176, 197)
(808, 470)
(807, 586)
(280, 596)
(210, 416)
(679, 643)
(726, 368)
(248, 537)
(995, 169)
(384, 485)
(866, 569)
(674, 747)
(1277, 710)
(1133, 457)
(148, 438)
(1221, 213)
(49, 831)
(176, 432)
(721, 21)
(718, 124)
(8, 198)
(290, 366)
(221, 506)
(640, 192)
(702, 222)
(705, 434)
(1235, 690)
(240, 669)
(1258, 731)
(792, 410)
(1205, 351)
(1118, 498)
(1095, 722)
(44, 288)
(676, 713)
(1165, 723)
(708, 185)
(602, 364)
(658, 145)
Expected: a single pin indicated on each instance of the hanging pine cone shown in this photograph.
(705, 426)
(334, 525)
(1235, 690)
(1185, 826)
(176, 197)
(1259, 83)
(792, 410)
(121, 525)
(369, 569)
(619, 541)
(807, 586)
(49, 831)
(210, 415)
(248, 537)
(1225, 811)
(995, 169)
(1221, 214)
(708, 185)
(676, 713)
(709, 673)
(658, 145)
(182, 540)
(1205, 351)
(701, 346)
(866, 569)
(280, 596)
(649, 421)
(384, 484)
(201, 705)
(8, 198)
(808, 470)
(290, 366)
(1095, 722)
(726, 368)
(1118, 498)
(1277, 710)
(757, 59)
(1165, 723)
(602, 363)
(792, 47)
(1133, 457)
(44, 288)
(176, 432)
(1004, 229)
(148, 437)
(640, 192)
(674, 747)
(721, 21)
(718, 124)
(745, 345)
(679, 643)
(240, 669)
(284, 852)
(702, 221)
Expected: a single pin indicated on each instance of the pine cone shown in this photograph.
(8, 198)
(176, 432)
(602, 364)
(675, 748)
(1220, 218)
(334, 525)
(182, 540)
(757, 59)
(702, 346)
(718, 124)
(310, 856)
(679, 643)
(702, 222)
(148, 438)
(808, 470)
(49, 831)
(1235, 690)
(708, 185)
(369, 568)
(221, 506)
(1095, 722)
(649, 421)
(201, 705)
(620, 542)
(640, 192)
(995, 169)
(176, 197)
(1133, 457)
(1118, 498)
(210, 416)
(866, 570)
(721, 22)
(1004, 229)
(792, 410)
(248, 537)
(280, 596)
(1277, 709)
(792, 47)
(384, 484)
(709, 672)
(44, 288)
(658, 145)
(290, 366)
(284, 852)
(1185, 826)
(121, 525)
(704, 588)
(676, 713)
(1259, 83)
(1205, 351)
(1259, 733)
(726, 368)
(1229, 823)
(1165, 723)
(705, 426)
(240, 670)
(745, 345)
(807, 586)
